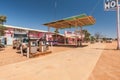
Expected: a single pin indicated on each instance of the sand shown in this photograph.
(100, 61)
(73, 64)
(9, 55)
(108, 65)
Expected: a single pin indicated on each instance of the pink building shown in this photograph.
(14, 32)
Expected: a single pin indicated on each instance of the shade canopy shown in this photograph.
(74, 21)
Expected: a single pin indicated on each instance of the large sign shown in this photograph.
(114, 5)
(20, 31)
(110, 4)
(73, 34)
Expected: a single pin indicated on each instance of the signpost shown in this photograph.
(114, 5)
(118, 25)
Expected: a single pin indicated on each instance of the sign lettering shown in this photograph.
(110, 4)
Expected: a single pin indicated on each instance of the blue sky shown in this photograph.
(34, 13)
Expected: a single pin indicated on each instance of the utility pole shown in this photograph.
(118, 26)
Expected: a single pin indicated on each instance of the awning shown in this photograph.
(74, 21)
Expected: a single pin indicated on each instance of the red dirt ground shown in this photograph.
(108, 66)
(10, 55)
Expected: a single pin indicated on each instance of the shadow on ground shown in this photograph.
(104, 49)
(2, 49)
(71, 46)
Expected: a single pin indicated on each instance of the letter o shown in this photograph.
(112, 4)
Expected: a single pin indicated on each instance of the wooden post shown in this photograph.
(48, 34)
(65, 40)
(56, 34)
(76, 32)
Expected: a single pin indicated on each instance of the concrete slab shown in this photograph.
(76, 64)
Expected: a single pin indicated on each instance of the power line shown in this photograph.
(55, 7)
(94, 8)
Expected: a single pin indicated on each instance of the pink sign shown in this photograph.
(36, 35)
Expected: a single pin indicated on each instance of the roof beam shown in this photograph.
(72, 22)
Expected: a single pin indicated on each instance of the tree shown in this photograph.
(92, 39)
(56, 31)
(2, 28)
(97, 36)
(87, 35)
(2, 19)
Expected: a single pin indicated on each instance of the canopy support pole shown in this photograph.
(29, 45)
(81, 40)
(65, 40)
(48, 34)
(76, 33)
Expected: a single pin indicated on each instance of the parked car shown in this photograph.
(55, 43)
(109, 41)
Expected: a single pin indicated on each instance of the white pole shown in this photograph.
(81, 36)
(21, 50)
(51, 46)
(28, 53)
(118, 26)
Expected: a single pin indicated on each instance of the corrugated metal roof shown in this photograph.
(16, 27)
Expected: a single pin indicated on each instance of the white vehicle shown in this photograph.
(109, 41)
